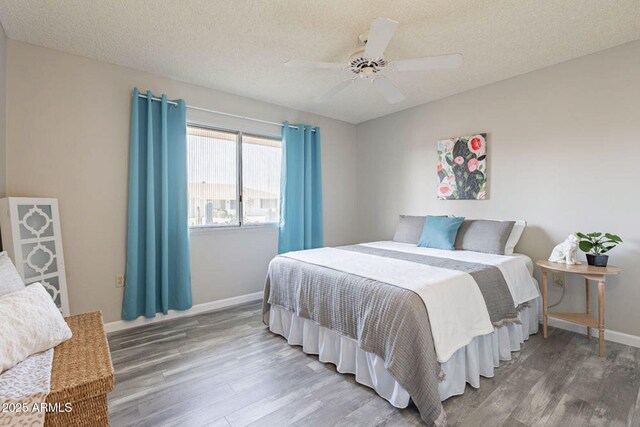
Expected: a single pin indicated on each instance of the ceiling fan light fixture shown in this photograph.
(368, 72)
(367, 62)
(358, 63)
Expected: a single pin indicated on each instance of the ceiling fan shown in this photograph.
(369, 62)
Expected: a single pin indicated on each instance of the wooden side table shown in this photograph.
(597, 274)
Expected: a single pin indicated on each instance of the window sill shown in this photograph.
(204, 230)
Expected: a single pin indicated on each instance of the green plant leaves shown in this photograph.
(596, 243)
(585, 246)
(613, 237)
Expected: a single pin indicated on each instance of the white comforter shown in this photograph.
(517, 269)
(456, 307)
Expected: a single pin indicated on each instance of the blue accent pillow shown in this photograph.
(440, 232)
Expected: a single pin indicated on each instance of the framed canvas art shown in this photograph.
(462, 168)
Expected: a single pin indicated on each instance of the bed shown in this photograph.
(412, 323)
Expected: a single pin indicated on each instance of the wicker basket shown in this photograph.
(82, 375)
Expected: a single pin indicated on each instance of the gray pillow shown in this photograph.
(409, 229)
(481, 235)
(10, 280)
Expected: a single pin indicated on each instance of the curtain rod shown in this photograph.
(221, 113)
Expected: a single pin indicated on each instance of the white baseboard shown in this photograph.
(609, 335)
(119, 325)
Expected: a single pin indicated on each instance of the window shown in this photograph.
(234, 178)
(260, 180)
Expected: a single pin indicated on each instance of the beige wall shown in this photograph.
(564, 154)
(3, 112)
(68, 131)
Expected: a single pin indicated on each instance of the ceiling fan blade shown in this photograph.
(299, 63)
(388, 90)
(379, 37)
(334, 90)
(428, 63)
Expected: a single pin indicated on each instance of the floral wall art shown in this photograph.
(462, 168)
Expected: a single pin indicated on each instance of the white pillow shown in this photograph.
(514, 237)
(31, 323)
(10, 280)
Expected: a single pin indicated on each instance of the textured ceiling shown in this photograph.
(240, 46)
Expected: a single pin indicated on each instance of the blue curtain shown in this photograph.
(158, 277)
(301, 196)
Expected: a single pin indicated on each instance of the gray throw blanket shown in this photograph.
(386, 320)
(489, 278)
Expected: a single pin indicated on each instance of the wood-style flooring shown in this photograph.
(226, 369)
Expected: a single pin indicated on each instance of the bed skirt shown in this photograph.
(479, 358)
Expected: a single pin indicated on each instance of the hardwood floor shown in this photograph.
(226, 369)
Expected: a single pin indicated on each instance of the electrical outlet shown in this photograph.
(558, 279)
(119, 281)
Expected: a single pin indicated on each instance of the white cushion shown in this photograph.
(514, 237)
(10, 280)
(31, 323)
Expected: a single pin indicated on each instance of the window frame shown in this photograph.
(239, 169)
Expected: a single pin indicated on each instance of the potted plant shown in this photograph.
(595, 245)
